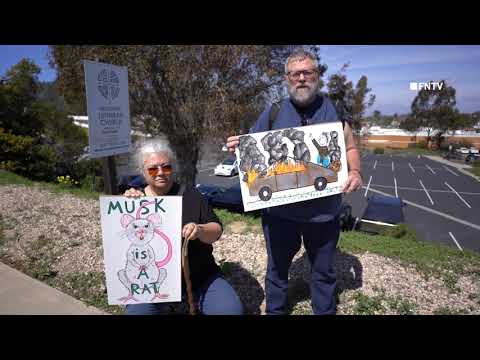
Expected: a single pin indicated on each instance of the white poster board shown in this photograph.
(108, 109)
(285, 166)
(142, 248)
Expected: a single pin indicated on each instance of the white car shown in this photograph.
(227, 168)
(464, 150)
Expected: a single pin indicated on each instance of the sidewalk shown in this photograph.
(23, 295)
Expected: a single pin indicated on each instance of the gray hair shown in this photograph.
(155, 146)
(300, 55)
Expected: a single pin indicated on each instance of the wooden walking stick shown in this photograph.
(186, 275)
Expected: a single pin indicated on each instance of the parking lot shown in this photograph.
(442, 204)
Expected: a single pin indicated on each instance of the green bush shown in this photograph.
(67, 181)
(379, 150)
(92, 183)
(422, 144)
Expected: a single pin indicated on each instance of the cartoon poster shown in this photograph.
(284, 166)
(142, 248)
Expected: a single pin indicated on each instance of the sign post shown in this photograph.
(108, 115)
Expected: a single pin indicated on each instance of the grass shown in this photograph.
(88, 287)
(380, 303)
(8, 178)
(445, 310)
(367, 305)
(476, 168)
(253, 222)
(429, 259)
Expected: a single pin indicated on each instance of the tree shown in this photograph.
(435, 109)
(350, 102)
(189, 93)
(36, 140)
(19, 109)
(376, 117)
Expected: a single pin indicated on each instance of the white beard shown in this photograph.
(303, 96)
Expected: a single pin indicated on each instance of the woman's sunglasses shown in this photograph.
(153, 170)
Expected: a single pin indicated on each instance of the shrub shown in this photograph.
(379, 150)
(67, 181)
(422, 144)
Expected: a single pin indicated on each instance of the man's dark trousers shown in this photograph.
(283, 238)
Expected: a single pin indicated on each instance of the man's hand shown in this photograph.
(232, 143)
(191, 231)
(133, 193)
(354, 181)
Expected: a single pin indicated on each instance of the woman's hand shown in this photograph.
(133, 193)
(192, 231)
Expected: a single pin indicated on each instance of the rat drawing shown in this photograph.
(142, 273)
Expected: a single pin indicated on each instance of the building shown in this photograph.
(376, 136)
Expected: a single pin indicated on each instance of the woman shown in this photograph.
(200, 227)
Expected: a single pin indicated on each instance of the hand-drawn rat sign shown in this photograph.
(142, 245)
(284, 166)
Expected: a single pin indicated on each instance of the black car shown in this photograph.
(381, 213)
(127, 182)
(208, 191)
(229, 198)
(220, 197)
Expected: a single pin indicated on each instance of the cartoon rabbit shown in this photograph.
(142, 274)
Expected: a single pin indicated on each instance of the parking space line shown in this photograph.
(396, 192)
(450, 171)
(455, 240)
(429, 168)
(393, 168)
(426, 192)
(418, 189)
(458, 195)
(366, 191)
(375, 165)
(433, 211)
(411, 167)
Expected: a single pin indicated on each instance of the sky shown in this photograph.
(389, 68)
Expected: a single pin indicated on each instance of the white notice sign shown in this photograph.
(108, 109)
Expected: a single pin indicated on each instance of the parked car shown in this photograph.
(381, 212)
(467, 151)
(208, 191)
(127, 182)
(464, 154)
(229, 198)
(226, 198)
(228, 167)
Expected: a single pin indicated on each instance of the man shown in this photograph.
(316, 221)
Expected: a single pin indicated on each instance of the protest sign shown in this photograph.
(285, 166)
(142, 248)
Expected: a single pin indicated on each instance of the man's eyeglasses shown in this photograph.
(307, 74)
(153, 170)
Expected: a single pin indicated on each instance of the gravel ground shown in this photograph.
(71, 227)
